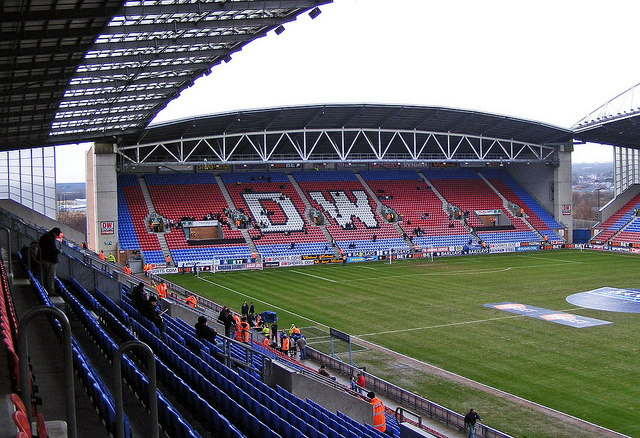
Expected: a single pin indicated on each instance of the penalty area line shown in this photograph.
(263, 302)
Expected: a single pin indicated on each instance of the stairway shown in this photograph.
(505, 204)
(147, 199)
(146, 194)
(380, 205)
(225, 193)
(445, 203)
(247, 237)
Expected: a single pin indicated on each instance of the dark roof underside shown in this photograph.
(78, 70)
(624, 132)
(361, 116)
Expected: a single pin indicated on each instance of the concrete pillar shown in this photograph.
(563, 192)
(102, 199)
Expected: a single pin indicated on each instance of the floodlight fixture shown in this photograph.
(279, 29)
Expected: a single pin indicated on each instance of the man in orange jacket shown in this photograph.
(379, 421)
(191, 301)
(242, 331)
(162, 290)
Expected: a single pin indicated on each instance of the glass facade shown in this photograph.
(626, 168)
(28, 177)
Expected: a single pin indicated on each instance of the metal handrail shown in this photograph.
(23, 354)
(399, 416)
(153, 386)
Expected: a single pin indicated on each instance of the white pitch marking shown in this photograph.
(263, 302)
(452, 324)
(555, 260)
(482, 271)
(314, 276)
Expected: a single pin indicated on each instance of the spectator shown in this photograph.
(323, 371)
(49, 253)
(139, 296)
(470, 422)
(360, 382)
(301, 343)
(225, 318)
(244, 309)
(151, 311)
(203, 331)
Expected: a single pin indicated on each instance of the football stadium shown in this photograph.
(327, 270)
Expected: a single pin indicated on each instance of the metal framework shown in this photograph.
(624, 105)
(334, 145)
(78, 70)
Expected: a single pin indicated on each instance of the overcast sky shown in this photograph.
(549, 61)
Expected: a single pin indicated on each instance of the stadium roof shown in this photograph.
(79, 70)
(344, 133)
(616, 122)
(363, 116)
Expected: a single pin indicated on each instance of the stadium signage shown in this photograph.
(192, 224)
(362, 259)
(106, 228)
(317, 257)
(527, 248)
(162, 271)
(326, 261)
(339, 335)
(487, 212)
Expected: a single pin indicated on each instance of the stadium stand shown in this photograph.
(621, 222)
(281, 226)
(420, 209)
(133, 233)
(175, 196)
(351, 213)
(464, 189)
(536, 215)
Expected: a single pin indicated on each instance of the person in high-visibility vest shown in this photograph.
(162, 290)
(167, 259)
(379, 421)
(265, 342)
(285, 345)
(127, 270)
(111, 258)
(101, 255)
(242, 331)
(191, 301)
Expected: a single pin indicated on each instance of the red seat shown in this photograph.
(21, 422)
(17, 403)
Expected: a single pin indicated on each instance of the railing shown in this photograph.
(406, 398)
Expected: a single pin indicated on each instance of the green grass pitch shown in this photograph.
(433, 311)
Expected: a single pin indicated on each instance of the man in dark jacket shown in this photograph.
(49, 252)
(470, 422)
(204, 331)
